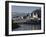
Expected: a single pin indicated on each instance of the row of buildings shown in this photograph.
(35, 14)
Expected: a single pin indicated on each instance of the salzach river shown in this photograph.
(28, 27)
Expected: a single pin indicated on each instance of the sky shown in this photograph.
(24, 9)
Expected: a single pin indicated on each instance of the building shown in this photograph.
(21, 17)
(36, 13)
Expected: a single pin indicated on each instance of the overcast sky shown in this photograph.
(23, 9)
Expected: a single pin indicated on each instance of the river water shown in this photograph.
(28, 27)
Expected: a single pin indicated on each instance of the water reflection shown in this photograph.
(27, 27)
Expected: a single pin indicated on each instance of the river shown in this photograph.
(28, 27)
